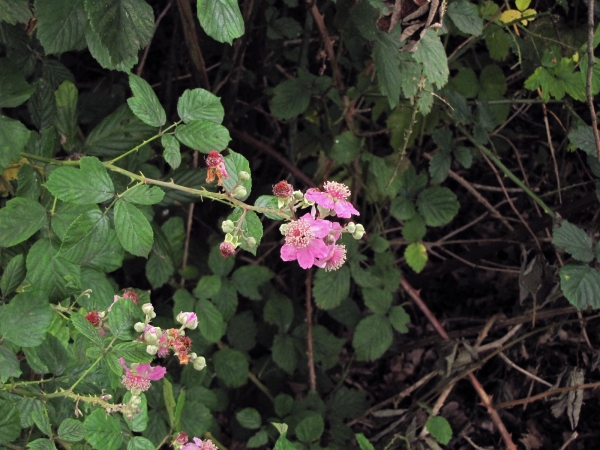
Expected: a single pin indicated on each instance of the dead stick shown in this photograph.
(533, 398)
(485, 399)
(590, 76)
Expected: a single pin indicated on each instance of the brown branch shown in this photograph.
(264, 148)
(328, 44)
(533, 398)
(193, 44)
(590, 77)
(485, 398)
(309, 336)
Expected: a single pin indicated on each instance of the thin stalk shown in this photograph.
(137, 147)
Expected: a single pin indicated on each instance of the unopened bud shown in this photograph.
(148, 309)
(152, 349)
(239, 192)
(351, 227)
(283, 228)
(243, 175)
(139, 327)
(199, 363)
(227, 226)
(358, 234)
(227, 249)
(251, 242)
(135, 401)
(298, 195)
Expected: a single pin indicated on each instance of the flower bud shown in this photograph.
(298, 195)
(359, 227)
(135, 401)
(351, 227)
(251, 242)
(282, 228)
(193, 356)
(239, 192)
(152, 349)
(188, 320)
(152, 334)
(148, 309)
(227, 249)
(139, 327)
(227, 226)
(199, 363)
(283, 189)
(358, 234)
(243, 175)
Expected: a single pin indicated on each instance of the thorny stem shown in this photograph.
(590, 76)
(137, 147)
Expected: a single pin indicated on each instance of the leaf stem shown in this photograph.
(137, 147)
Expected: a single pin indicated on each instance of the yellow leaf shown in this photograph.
(576, 57)
(528, 16)
(522, 5)
(510, 15)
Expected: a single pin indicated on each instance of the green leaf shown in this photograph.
(279, 311)
(227, 300)
(372, 337)
(200, 104)
(258, 440)
(210, 320)
(61, 25)
(169, 400)
(100, 53)
(66, 114)
(10, 424)
(145, 104)
(574, 240)
(385, 54)
(49, 273)
(13, 12)
(377, 300)
(311, 428)
(582, 137)
(133, 352)
(82, 325)
(330, 288)
(103, 430)
(235, 163)
(348, 403)
(248, 279)
(117, 133)
(172, 154)
(249, 418)
(414, 229)
(284, 354)
(41, 444)
(580, 284)
(498, 42)
(140, 443)
(71, 430)
(437, 205)
(196, 418)
(121, 318)
(143, 194)
(399, 319)
(221, 19)
(440, 429)
(9, 364)
(85, 237)
(13, 137)
(466, 17)
(88, 184)
(52, 354)
(402, 208)
(20, 219)
(208, 286)
(122, 26)
(14, 89)
(378, 243)
(110, 256)
(231, 367)
(42, 105)
(416, 256)
(139, 421)
(465, 82)
(432, 55)
(464, 156)
(203, 135)
(133, 229)
(283, 404)
(26, 319)
(241, 331)
(268, 201)
(346, 148)
(363, 442)
(29, 182)
(439, 166)
(292, 97)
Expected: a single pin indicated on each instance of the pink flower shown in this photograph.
(304, 240)
(188, 320)
(216, 168)
(227, 249)
(334, 197)
(335, 258)
(199, 445)
(140, 375)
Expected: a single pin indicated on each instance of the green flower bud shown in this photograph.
(243, 175)
(351, 227)
(139, 327)
(251, 242)
(239, 192)
(227, 226)
(282, 228)
(151, 349)
(359, 227)
(298, 195)
(358, 234)
(199, 363)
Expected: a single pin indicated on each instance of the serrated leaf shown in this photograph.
(279, 311)
(574, 241)
(414, 229)
(331, 288)
(14, 89)
(258, 440)
(10, 424)
(437, 205)
(9, 364)
(231, 367)
(133, 352)
(201, 104)
(385, 54)
(172, 153)
(66, 113)
(102, 430)
(416, 256)
(292, 97)
(13, 137)
(440, 429)
(311, 428)
(71, 430)
(249, 418)
(402, 208)
(82, 325)
(210, 320)
(284, 354)
(377, 300)
(143, 194)
(582, 137)
(346, 147)
(466, 17)
(123, 26)
(20, 219)
(580, 284)
(464, 156)
(26, 319)
(85, 237)
(248, 279)
(221, 19)
(100, 53)
(439, 166)
(203, 135)
(219, 265)
(88, 184)
(61, 25)
(241, 331)
(372, 337)
(235, 163)
(399, 319)
(133, 229)
(140, 443)
(42, 105)
(268, 201)
(13, 12)
(145, 104)
(432, 55)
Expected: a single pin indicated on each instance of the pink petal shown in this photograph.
(345, 209)
(156, 373)
(320, 198)
(318, 248)
(142, 369)
(320, 228)
(336, 227)
(288, 253)
(306, 258)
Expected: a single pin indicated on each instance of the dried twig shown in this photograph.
(523, 371)
(548, 393)
(590, 76)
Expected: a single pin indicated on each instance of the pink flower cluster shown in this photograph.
(199, 444)
(138, 377)
(311, 240)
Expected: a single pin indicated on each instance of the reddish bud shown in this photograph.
(93, 317)
(182, 437)
(214, 159)
(131, 295)
(283, 189)
(227, 249)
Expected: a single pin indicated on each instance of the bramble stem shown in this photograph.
(137, 147)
